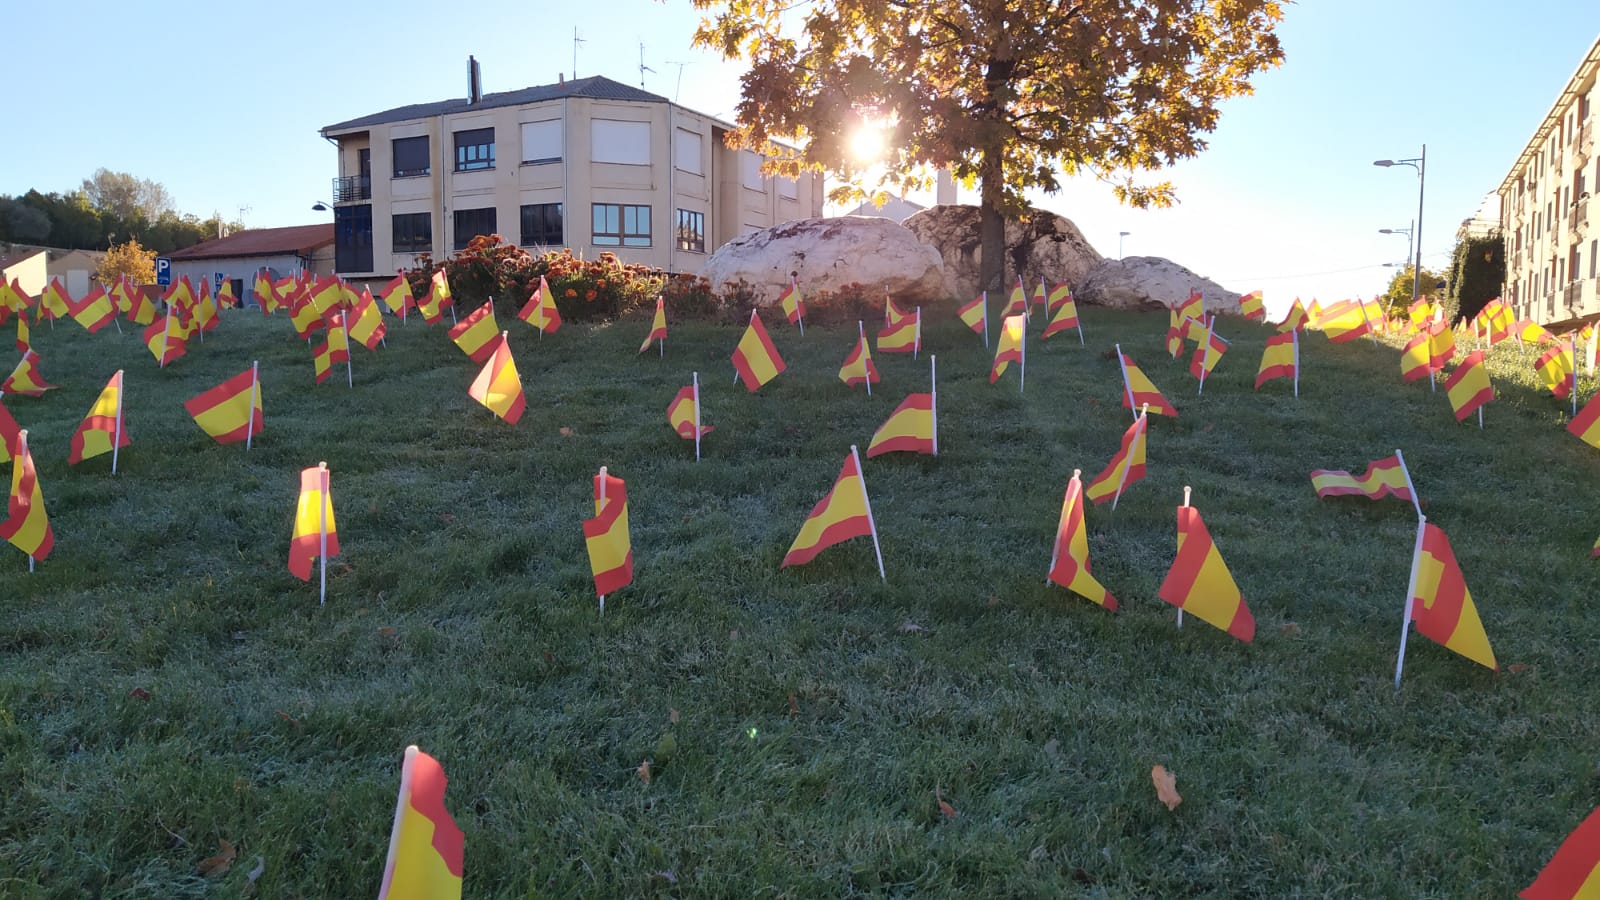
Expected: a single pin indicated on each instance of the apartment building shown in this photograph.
(1552, 247)
(590, 164)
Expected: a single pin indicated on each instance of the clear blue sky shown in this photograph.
(1286, 199)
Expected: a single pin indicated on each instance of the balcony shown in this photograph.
(351, 188)
(1578, 218)
(1583, 144)
(1516, 262)
(1572, 295)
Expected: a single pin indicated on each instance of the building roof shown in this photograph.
(19, 254)
(261, 242)
(1586, 69)
(596, 87)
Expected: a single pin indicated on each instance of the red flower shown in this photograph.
(589, 295)
(572, 292)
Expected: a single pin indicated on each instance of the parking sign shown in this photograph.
(163, 271)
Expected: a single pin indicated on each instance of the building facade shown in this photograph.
(1552, 246)
(239, 256)
(589, 164)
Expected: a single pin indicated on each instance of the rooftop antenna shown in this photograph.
(679, 89)
(575, 42)
(242, 210)
(642, 67)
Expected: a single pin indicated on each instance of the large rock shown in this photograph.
(1044, 245)
(877, 255)
(1145, 282)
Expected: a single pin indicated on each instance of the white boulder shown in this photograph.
(871, 254)
(1148, 281)
(1041, 245)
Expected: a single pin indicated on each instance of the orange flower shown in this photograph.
(589, 295)
(600, 284)
(572, 292)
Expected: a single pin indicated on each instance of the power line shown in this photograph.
(1328, 272)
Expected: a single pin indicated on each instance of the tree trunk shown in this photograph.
(991, 224)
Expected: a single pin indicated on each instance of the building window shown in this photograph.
(352, 238)
(1594, 251)
(750, 171)
(413, 233)
(686, 151)
(626, 143)
(475, 149)
(541, 142)
(691, 231)
(411, 157)
(473, 222)
(541, 225)
(621, 226)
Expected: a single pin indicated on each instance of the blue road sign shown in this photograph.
(163, 271)
(217, 279)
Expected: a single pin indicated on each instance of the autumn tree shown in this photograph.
(123, 196)
(1011, 94)
(1397, 296)
(128, 259)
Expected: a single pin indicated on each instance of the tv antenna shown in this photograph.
(679, 89)
(242, 211)
(642, 67)
(575, 42)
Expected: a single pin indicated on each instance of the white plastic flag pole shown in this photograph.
(1480, 418)
(1127, 388)
(696, 416)
(1368, 322)
(600, 505)
(752, 321)
(861, 477)
(22, 453)
(255, 392)
(349, 367)
(917, 346)
(322, 516)
(1079, 318)
(166, 327)
(1411, 592)
(1205, 355)
(1572, 350)
(1022, 370)
(1061, 525)
(1186, 504)
(986, 318)
(933, 398)
(866, 373)
(799, 310)
(1122, 476)
(1415, 500)
(116, 437)
(1296, 342)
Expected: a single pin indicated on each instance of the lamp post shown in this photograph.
(1421, 165)
(1408, 232)
(1120, 236)
(320, 206)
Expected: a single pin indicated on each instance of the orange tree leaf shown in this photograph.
(221, 863)
(1166, 786)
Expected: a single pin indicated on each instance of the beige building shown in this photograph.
(27, 266)
(589, 164)
(239, 256)
(1552, 246)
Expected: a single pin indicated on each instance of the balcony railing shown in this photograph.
(1578, 218)
(352, 187)
(1583, 143)
(1550, 305)
(1516, 261)
(1572, 295)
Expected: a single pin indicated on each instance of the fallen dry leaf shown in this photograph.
(139, 694)
(994, 601)
(387, 631)
(1209, 426)
(1166, 786)
(567, 432)
(1516, 668)
(945, 808)
(672, 714)
(644, 771)
(290, 719)
(1291, 629)
(794, 706)
(221, 863)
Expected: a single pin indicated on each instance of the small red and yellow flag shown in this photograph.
(1468, 385)
(231, 411)
(1011, 346)
(540, 310)
(1574, 872)
(755, 359)
(858, 368)
(843, 513)
(1125, 467)
(96, 310)
(976, 314)
(315, 532)
(55, 302)
(26, 379)
(1063, 314)
(1585, 426)
(27, 525)
(166, 340)
(1555, 371)
(606, 536)
(1384, 478)
(1250, 306)
(1199, 581)
(683, 413)
(1069, 561)
(102, 428)
(793, 305)
(1017, 303)
(1295, 318)
(904, 336)
(477, 332)
(658, 327)
(368, 328)
(1415, 360)
(1439, 601)
(425, 846)
(911, 428)
(1138, 390)
(432, 306)
(333, 349)
(1280, 358)
(498, 386)
(10, 435)
(396, 295)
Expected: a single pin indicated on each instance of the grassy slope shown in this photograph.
(461, 618)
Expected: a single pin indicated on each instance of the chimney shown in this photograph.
(474, 81)
(944, 192)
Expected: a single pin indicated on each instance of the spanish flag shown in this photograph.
(755, 359)
(1415, 361)
(24, 342)
(55, 301)
(1063, 314)
(1574, 872)
(1017, 303)
(910, 428)
(313, 522)
(225, 297)
(165, 339)
(1280, 358)
(1040, 294)
(1555, 371)
(1060, 293)
(1384, 478)
(205, 311)
(1199, 581)
(266, 296)
(102, 429)
(904, 336)
(1126, 467)
(683, 413)
(26, 378)
(1011, 347)
(368, 328)
(606, 536)
(1344, 321)
(658, 328)
(334, 349)
(1585, 426)
(231, 411)
(1137, 390)
(858, 368)
(304, 314)
(10, 435)
(1294, 319)
(1439, 601)
(498, 386)
(476, 333)
(1069, 560)
(1441, 345)
(26, 526)
(95, 311)
(976, 315)
(1531, 332)
(540, 310)
(432, 306)
(793, 306)
(1208, 354)
(397, 295)
(1193, 308)
(1468, 386)
(843, 513)
(892, 315)
(140, 310)
(1251, 308)
(425, 846)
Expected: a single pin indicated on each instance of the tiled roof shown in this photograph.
(596, 87)
(261, 242)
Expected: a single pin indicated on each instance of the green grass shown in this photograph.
(461, 617)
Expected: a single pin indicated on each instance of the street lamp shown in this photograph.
(1408, 232)
(319, 206)
(1421, 165)
(1120, 236)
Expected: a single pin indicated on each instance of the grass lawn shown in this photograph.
(166, 684)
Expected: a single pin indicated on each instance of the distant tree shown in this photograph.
(122, 196)
(74, 223)
(22, 223)
(1477, 271)
(1397, 298)
(1007, 93)
(128, 259)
